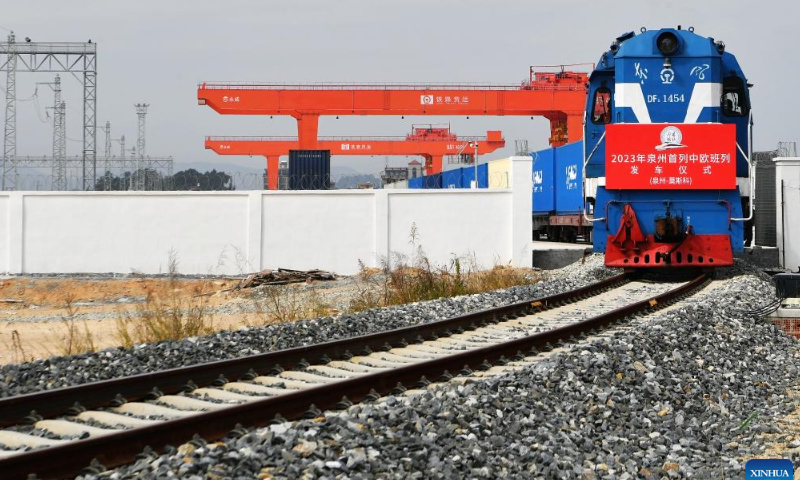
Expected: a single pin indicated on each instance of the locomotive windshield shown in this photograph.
(601, 112)
(734, 101)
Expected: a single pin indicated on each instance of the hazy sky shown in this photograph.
(157, 52)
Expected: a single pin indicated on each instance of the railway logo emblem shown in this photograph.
(700, 71)
(572, 173)
(667, 76)
(641, 73)
(768, 468)
(537, 177)
(426, 99)
(671, 137)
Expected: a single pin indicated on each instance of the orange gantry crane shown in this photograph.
(560, 97)
(431, 143)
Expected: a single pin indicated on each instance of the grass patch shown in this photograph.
(165, 314)
(77, 337)
(417, 279)
(405, 284)
(286, 303)
(16, 345)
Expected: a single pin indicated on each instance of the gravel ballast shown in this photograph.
(684, 394)
(58, 372)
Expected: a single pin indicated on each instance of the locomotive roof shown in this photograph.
(691, 45)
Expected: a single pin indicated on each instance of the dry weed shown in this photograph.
(165, 315)
(402, 281)
(286, 303)
(19, 350)
(75, 339)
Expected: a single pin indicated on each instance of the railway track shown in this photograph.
(57, 434)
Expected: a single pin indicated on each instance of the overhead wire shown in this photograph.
(35, 98)
(25, 99)
(37, 107)
(32, 97)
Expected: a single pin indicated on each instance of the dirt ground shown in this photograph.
(36, 313)
(41, 317)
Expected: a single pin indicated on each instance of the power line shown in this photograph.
(35, 92)
(36, 107)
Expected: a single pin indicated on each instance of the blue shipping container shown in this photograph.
(309, 169)
(432, 181)
(415, 182)
(452, 179)
(544, 193)
(468, 176)
(569, 178)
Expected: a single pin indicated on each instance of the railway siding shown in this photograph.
(666, 396)
(59, 372)
(483, 343)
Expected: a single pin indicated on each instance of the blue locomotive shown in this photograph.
(666, 151)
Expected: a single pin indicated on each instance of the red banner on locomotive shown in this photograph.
(670, 156)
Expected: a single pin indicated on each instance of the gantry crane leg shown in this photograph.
(272, 172)
(307, 130)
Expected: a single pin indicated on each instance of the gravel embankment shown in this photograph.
(668, 398)
(57, 372)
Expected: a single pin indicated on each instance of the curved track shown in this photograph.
(115, 420)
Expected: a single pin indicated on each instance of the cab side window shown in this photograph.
(734, 98)
(601, 106)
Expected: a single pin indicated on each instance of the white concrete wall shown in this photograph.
(462, 224)
(521, 178)
(331, 230)
(125, 232)
(787, 194)
(6, 236)
(236, 232)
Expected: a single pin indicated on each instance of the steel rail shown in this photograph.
(120, 448)
(50, 403)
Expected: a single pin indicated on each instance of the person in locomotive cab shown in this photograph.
(602, 110)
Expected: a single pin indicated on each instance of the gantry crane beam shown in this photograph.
(559, 97)
(432, 145)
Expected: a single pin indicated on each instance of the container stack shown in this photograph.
(309, 169)
(455, 178)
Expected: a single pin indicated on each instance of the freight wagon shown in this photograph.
(455, 178)
(557, 190)
(558, 194)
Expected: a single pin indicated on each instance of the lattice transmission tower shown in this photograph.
(58, 167)
(59, 170)
(9, 181)
(141, 112)
(108, 139)
(56, 57)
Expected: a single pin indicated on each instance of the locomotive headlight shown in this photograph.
(667, 43)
